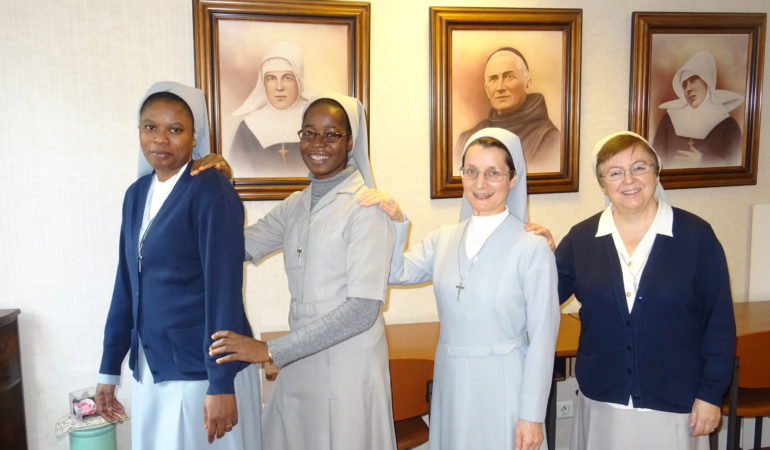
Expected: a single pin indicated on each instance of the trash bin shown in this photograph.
(101, 438)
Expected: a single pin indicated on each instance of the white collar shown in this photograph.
(480, 228)
(662, 224)
(697, 122)
(272, 126)
(487, 222)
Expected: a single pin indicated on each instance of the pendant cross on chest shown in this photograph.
(282, 151)
(460, 288)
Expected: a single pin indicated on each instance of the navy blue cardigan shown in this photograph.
(678, 343)
(190, 284)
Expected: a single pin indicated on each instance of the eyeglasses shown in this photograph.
(329, 137)
(490, 175)
(637, 170)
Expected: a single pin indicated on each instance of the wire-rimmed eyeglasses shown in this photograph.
(637, 170)
(492, 175)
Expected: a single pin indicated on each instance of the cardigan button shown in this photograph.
(629, 371)
(628, 347)
(628, 323)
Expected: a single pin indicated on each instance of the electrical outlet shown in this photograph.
(564, 409)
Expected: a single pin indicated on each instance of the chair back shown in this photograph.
(409, 387)
(754, 352)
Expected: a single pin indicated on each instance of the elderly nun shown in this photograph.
(657, 332)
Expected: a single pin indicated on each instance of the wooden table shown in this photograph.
(751, 317)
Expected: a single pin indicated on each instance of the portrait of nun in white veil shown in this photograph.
(697, 129)
(266, 142)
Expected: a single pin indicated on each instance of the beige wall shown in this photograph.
(71, 73)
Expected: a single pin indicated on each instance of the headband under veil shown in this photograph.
(517, 195)
(660, 194)
(197, 103)
(358, 156)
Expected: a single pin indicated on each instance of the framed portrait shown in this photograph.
(517, 69)
(258, 63)
(696, 89)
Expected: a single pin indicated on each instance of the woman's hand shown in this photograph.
(541, 231)
(387, 203)
(529, 435)
(107, 405)
(704, 418)
(239, 347)
(271, 371)
(212, 160)
(220, 415)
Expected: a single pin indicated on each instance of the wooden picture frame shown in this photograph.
(253, 58)
(462, 41)
(696, 89)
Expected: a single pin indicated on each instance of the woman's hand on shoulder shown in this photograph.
(386, 202)
(529, 435)
(237, 347)
(541, 231)
(212, 160)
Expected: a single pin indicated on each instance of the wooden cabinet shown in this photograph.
(13, 430)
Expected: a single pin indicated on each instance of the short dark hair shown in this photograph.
(167, 96)
(487, 141)
(512, 50)
(620, 143)
(333, 103)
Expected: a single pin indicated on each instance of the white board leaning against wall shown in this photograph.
(759, 265)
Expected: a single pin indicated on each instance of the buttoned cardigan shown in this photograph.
(678, 343)
(188, 286)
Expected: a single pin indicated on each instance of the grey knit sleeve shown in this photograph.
(352, 317)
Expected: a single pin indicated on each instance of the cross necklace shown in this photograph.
(460, 286)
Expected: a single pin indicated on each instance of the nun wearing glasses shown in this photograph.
(333, 391)
(495, 288)
(657, 330)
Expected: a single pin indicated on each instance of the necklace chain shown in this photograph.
(634, 275)
(460, 286)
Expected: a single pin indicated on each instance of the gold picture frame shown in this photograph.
(547, 120)
(234, 39)
(707, 131)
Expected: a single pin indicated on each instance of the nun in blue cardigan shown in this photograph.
(179, 279)
(657, 333)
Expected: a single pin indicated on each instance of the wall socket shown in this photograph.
(564, 409)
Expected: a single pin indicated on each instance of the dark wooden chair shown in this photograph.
(410, 385)
(749, 394)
